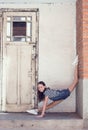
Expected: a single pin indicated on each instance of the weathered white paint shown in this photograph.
(18, 80)
(56, 46)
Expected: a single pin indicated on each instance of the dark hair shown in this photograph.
(41, 95)
(41, 82)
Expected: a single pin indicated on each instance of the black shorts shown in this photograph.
(63, 94)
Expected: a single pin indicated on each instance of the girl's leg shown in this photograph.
(52, 104)
(71, 88)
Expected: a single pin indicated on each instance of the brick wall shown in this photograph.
(82, 37)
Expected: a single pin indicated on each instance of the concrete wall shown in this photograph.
(56, 46)
(82, 98)
(85, 98)
(79, 97)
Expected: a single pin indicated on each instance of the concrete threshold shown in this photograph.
(50, 121)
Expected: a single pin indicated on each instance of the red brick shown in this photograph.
(82, 37)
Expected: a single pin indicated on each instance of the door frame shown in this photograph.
(36, 46)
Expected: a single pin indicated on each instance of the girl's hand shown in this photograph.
(40, 116)
(44, 107)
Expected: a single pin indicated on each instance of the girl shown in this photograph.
(57, 96)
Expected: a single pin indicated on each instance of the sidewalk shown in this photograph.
(52, 121)
(39, 129)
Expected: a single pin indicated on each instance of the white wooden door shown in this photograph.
(19, 41)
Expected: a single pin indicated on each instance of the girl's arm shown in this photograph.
(44, 107)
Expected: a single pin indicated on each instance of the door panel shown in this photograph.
(26, 75)
(11, 75)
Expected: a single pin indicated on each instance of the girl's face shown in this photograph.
(41, 87)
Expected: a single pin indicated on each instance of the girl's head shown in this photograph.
(41, 86)
(41, 89)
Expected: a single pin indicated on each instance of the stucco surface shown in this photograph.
(56, 46)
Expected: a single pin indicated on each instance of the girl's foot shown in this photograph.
(33, 111)
(75, 62)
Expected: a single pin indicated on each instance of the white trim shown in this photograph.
(4, 70)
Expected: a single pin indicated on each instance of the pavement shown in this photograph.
(52, 121)
(48, 116)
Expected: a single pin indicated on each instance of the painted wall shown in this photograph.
(56, 46)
